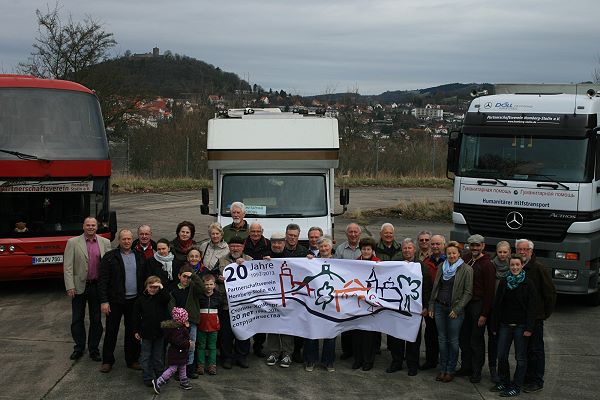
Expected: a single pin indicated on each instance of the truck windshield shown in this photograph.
(32, 209)
(276, 195)
(51, 124)
(524, 158)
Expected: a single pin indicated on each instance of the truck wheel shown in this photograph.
(593, 300)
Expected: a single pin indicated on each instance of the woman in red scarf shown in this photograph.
(182, 243)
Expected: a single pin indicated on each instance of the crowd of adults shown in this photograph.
(465, 292)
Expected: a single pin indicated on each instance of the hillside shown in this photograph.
(168, 75)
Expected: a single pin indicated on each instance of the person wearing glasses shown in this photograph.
(424, 242)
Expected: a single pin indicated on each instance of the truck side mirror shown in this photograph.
(205, 196)
(453, 143)
(344, 197)
(204, 209)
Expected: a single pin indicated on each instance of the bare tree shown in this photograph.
(596, 72)
(62, 50)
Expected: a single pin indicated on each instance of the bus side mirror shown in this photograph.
(112, 224)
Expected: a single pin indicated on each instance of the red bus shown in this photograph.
(54, 171)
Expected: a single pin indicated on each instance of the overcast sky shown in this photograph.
(313, 47)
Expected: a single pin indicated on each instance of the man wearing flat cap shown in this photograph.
(477, 311)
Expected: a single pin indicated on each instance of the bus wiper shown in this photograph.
(549, 177)
(23, 156)
(285, 215)
(491, 181)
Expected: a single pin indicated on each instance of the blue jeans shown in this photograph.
(192, 350)
(536, 356)
(448, 333)
(152, 358)
(311, 351)
(506, 335)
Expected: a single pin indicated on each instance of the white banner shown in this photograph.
(320, 298)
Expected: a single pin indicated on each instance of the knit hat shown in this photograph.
(180, 315)
(236, 239)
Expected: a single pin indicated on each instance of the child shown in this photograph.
(149, 310)
(514, 320)
(178, 336)
(365, 343)
(208, 327)
(186, 294)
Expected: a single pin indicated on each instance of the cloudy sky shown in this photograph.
(312, 47)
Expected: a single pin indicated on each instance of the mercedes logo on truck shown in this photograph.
(514, 220)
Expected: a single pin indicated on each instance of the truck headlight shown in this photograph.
(569, 274)
(2, 248)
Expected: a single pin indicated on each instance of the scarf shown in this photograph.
(513, 281)
(167, 262)
(501, 268)
(184, 246)
(449, 270)
(198, 268)
(148, 253)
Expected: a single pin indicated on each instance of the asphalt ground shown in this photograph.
(35, 339)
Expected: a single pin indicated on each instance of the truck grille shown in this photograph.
(537, 224)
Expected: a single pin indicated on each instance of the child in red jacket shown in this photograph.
(208, 326)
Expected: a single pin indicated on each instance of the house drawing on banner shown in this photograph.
(302, 288)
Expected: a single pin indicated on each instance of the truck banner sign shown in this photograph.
(319, 298)
(520, 197)
(45, 186)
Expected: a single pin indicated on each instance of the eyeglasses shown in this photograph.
(424, 240)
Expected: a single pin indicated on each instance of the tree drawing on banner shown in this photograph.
(411, 288)
(324, 295)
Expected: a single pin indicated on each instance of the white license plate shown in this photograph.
(47, 259)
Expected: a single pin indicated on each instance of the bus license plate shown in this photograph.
(47, 259)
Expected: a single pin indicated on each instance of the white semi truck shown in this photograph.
(281, 165)
(526, 164)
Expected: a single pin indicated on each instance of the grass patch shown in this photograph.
(393, 181)
(133, 184)
(417, 210)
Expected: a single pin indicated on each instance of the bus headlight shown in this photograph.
(11, 248)
(2, 248)
(569, 274)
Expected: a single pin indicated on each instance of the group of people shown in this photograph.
(172, 298)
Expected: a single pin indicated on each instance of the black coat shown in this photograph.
(111, 281)
(526, 302)
(155, 267)
(149, 312)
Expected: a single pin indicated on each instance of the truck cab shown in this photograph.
(281, 165)
(526, 165)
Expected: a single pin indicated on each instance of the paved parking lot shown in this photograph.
(35, 342)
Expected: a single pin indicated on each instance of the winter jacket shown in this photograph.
(229, 232)
(299, 252)
(484, 281)
(192, 302)
(155, 267)
(524, 298)
(111, 280)
(180, 257)
(178, 337)
(393, 253)
(258, 250)
(461, 290)
(211, 253)
(545, 289)
(149, 312)
(209, 312)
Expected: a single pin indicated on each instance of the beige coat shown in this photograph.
(76, 261)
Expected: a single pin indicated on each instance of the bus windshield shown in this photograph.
(51, 208)
(51, 124)
(524, 158)
(276, 195)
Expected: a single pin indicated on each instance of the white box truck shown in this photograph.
(281, 165)
(526, 164)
